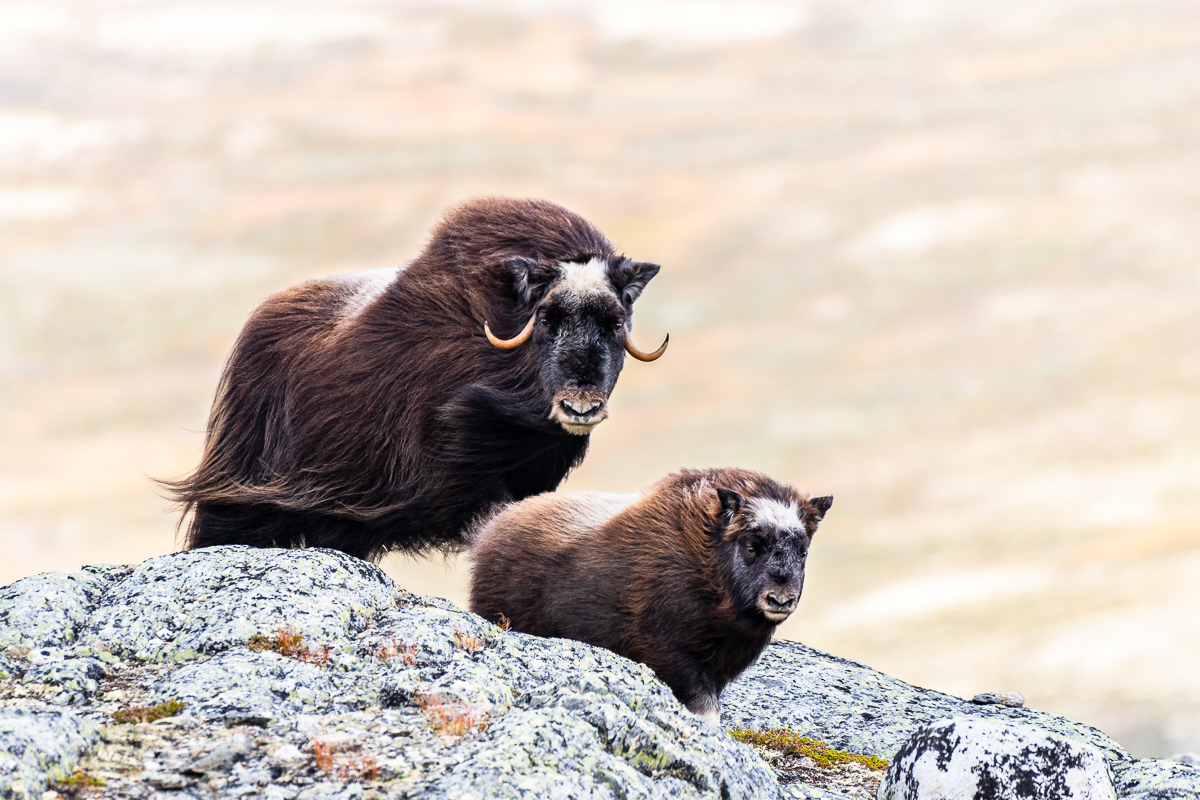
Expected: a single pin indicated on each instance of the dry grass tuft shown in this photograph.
(323, 755)
(407, 651)
(289, 642)
(354, 767)
(359, 768)
(455, 718)
(469, 642)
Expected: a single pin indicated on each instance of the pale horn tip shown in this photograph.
(632, 349)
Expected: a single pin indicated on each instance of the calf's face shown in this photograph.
(767, 543)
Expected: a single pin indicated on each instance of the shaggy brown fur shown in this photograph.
(690, 577)
(369, 412)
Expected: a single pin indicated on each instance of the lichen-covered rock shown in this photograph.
(200, 602)
(49, 609)
(855, 708)
(991, 760)
(376, 693)
(551, 752)
(1157, 779)
(243, 686)
(38, 745)
(364, 672)
(77, 676)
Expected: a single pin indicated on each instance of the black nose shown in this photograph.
(781, 602)
(582, 408)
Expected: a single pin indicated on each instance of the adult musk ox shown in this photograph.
(381, 411)
(690, 577)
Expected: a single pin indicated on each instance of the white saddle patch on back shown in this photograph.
(593, 509)
(363, 288)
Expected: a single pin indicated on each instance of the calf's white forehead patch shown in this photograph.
(776, 514)
(589, 278)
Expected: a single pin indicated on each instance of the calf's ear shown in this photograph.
(629, 278)
(531, 278)
(731, 503)
(822, 505)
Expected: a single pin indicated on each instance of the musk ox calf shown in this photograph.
(690, 577)
(381, 411)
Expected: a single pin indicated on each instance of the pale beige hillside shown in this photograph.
(939, 259)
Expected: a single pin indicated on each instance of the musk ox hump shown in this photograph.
(360, 289)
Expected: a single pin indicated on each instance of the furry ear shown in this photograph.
(629, 278)
(731, 503)
(530, 277)
(822, 505)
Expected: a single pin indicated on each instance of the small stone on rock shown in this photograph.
(1012, 699)
(222, 757)
(235, 718)
(167, 781)
(287, 752)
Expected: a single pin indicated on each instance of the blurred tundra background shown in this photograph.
(938, 258)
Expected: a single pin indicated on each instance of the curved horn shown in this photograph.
(518, 340)
(631, 348)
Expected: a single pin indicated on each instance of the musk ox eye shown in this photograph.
(544, 321)
(751, 549)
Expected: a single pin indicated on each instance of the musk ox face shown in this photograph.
(579, 331)
(767, 543)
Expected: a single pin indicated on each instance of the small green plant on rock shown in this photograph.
(127, 716)
(789, 742)
(80, 780)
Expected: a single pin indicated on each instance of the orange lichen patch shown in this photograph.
(454, 718)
